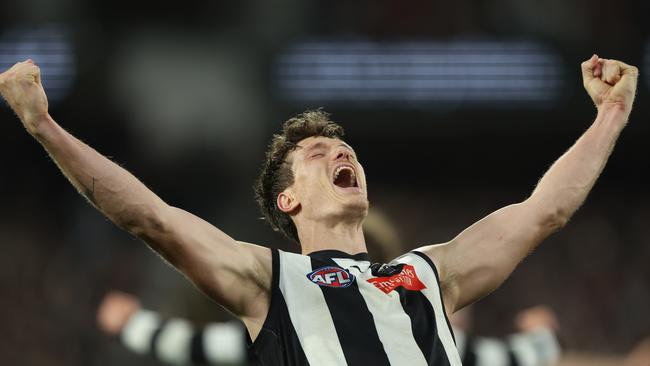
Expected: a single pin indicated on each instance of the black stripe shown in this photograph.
(423, 325)
(154, 339)
(435, 272)
(197, 355)
(353, 321)
(469, 356)
(277, 343)
(294, 354)
(512, 358)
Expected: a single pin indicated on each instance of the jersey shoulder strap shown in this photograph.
(427, 273)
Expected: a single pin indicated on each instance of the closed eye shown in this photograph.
(317, 155)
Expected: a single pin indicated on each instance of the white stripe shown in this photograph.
(524, 351)
(224, 343)
(138, 331)
(392, 323)
(490, 352)
(460, 340)
(537, 347)
(432, 293)
(317, 334)
(174, 342)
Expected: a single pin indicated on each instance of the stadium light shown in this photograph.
(49, 46)
(475, 73)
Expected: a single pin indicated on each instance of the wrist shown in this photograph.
(613, 113)
(38, 125)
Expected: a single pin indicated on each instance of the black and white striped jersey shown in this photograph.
(332, 308)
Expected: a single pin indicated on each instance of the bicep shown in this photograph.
(480, 258)
(228, 271)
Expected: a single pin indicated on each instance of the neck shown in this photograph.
(344, 236)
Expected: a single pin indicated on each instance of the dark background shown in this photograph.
(185, 96)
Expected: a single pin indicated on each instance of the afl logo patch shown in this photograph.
(331, 277)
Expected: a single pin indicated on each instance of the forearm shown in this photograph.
(480, 258)
(567, 183)
(110, 188)
(499, 242)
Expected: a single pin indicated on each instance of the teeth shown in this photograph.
(340, 169)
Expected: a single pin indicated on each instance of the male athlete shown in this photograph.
(331, 306)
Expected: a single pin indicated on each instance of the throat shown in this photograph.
(345, 238)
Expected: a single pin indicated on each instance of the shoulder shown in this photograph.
(421, 262)
(433, 256)
(436, 256)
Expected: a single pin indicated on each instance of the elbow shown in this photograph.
(149, 223)
(549, 218)
(554, 219)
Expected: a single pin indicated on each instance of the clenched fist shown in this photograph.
(610, 82)
(21, 87)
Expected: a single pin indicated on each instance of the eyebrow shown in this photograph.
(319, 145)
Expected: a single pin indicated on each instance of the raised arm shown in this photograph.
(480, 258)
(232, 273)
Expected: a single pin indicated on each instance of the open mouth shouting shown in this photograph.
(345, 178)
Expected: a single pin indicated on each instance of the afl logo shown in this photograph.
(331, 277)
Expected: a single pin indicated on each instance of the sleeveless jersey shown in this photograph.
(332, 308)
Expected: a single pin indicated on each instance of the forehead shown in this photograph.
(320, 141)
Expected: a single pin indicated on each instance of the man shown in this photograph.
(178, 342)
(332, 307)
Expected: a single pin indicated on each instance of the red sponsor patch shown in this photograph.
(407, 278)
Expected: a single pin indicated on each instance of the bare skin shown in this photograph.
(238, 275)
(479, 259)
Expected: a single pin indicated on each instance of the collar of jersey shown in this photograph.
(331, 253)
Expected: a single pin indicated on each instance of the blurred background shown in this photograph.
(455, 108)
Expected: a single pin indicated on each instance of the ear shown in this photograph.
(287, 202)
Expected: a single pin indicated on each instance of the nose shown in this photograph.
(342, 154)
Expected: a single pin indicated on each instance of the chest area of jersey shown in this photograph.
(361, 275)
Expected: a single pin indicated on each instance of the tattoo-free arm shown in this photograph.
(480, 258)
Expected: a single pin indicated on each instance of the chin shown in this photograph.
(357, 208)
(347, 211)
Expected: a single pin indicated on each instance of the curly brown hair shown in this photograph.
(276, 174)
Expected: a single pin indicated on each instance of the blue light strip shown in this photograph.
(496, 73)
(50, 48)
